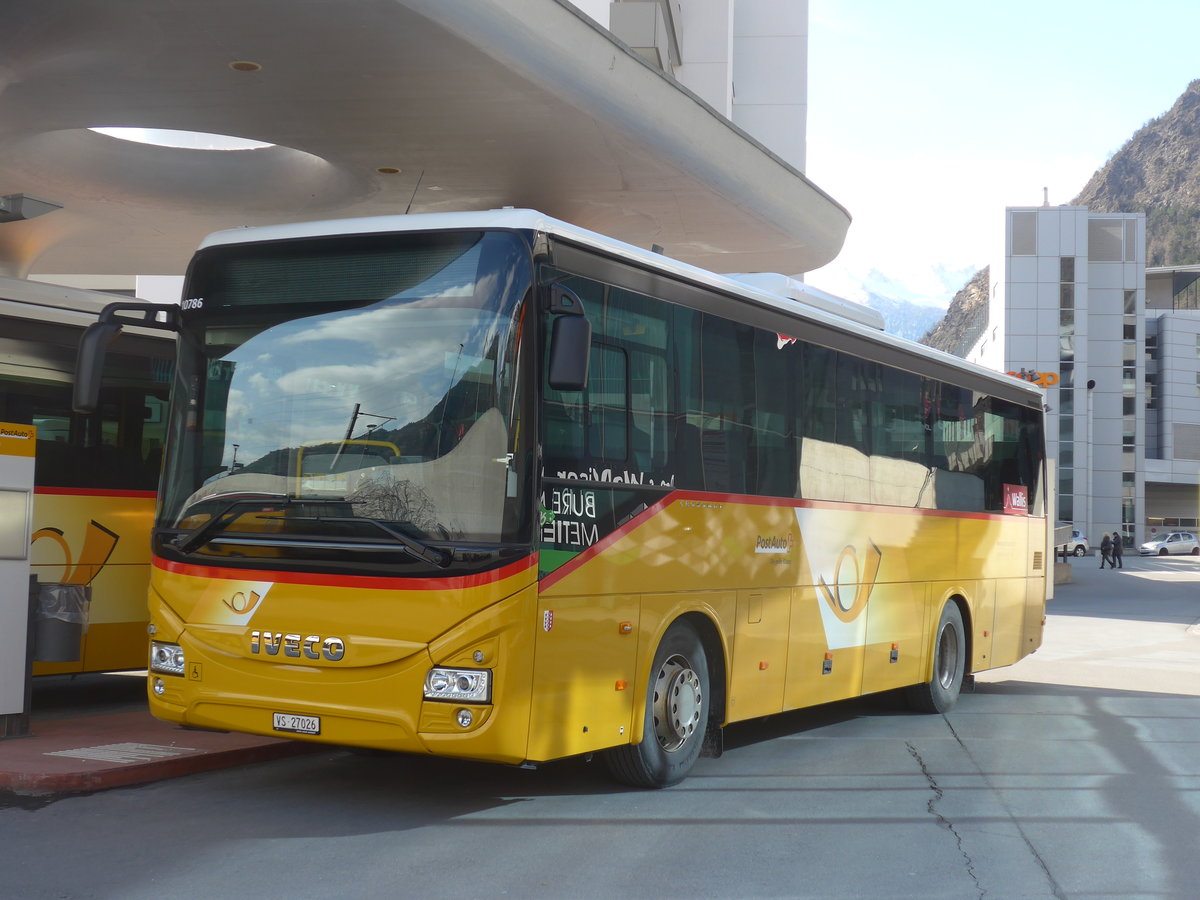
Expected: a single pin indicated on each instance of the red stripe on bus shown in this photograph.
(93, 492)
(752, 500)
(357, 581)
(645, 515)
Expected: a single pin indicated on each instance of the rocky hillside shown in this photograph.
(1157, 172)
(965, 318)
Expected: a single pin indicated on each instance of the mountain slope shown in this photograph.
(1157, 172)
(965, 319)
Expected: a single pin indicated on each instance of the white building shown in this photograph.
(747, 59)
(1172, 359)
(1116, 346)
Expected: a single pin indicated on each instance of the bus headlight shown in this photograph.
(459, 685)
(166, 658)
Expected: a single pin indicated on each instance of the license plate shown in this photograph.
(297, 724)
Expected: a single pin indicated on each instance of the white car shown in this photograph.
(1175, 542)
(1078, 545)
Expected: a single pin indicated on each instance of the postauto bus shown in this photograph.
(95, 474)
(488, 485)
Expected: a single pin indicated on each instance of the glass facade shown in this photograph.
(1129, 357)
(1066, 389)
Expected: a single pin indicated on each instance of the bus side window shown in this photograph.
(608, 405)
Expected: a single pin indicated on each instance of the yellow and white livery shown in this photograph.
(491, 486)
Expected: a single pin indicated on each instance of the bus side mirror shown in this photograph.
(570, 349)
(93, 344)
(89, 365)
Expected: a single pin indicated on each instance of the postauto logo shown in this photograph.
(775, 543)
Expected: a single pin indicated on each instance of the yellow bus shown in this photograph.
(95, 475)
(620, 503)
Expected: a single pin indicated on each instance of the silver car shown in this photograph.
(1174, 543)
(1078, 544)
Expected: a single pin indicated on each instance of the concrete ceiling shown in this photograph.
(477, 103)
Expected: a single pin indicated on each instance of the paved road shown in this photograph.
(1073, 774)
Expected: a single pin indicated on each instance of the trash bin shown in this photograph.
(62, 618)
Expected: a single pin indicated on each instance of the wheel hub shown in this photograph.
(678, 702)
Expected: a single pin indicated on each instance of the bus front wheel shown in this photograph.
(676, 715)
(949, 665)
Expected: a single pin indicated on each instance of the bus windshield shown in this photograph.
(350, 394)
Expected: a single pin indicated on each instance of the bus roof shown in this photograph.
(766, 289)
(58, 304)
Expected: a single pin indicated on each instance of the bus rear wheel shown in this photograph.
(940, 693)
(676, 715)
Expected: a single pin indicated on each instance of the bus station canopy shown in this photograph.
(368, 107)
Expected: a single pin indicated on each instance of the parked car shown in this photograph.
(1079, 544)
(1173, 543)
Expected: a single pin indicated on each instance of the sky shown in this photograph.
(926, 119)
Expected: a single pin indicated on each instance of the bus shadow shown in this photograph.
(86, 694)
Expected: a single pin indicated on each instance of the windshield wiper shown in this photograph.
(439, 558)
(412, 545)
(205, 531)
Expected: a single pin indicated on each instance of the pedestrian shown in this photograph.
(1118, 552)
(1105, 549)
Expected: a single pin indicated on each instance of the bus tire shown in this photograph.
(678, 697)
(941, 692)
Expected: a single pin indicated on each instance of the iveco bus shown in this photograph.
(489, 485)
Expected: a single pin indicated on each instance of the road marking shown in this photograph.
(124, 753)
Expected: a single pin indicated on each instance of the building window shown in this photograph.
(1024, 233)
(1185, 291)
(1065, 508)
(1105, 239)
(1066, 269)
(1066, 344)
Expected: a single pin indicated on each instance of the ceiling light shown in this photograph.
(182, 140)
